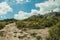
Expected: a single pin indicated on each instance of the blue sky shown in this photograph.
(26, 7)
(21, 9)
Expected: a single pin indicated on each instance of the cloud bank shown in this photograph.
(45, 7)
(22, 15)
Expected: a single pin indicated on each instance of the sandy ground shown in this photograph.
(10, 32)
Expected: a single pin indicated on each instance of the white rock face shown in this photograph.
(11, 32)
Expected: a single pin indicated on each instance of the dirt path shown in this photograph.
(10, 32)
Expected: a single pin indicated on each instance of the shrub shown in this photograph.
(34, 34)
(20, 24)
(54, 32)
(2, 25)
(39, 38)
(2, 33)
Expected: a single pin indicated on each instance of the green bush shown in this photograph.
(54, 32)
(37, 23)
(34, 34)
(2, 25)
(20, 24)
(39, 38)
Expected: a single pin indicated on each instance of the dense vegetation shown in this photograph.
(54, 32)
(2, 24)
(40, 21)
(5, 22)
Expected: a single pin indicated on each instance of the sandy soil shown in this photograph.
(10, 32)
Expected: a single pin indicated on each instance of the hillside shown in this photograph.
(41, 21)
(37, 27)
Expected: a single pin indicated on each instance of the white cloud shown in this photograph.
(3, 17)
(34, 12)
(4, 8)
(45, 7)
(22, 15)
(56, 10)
